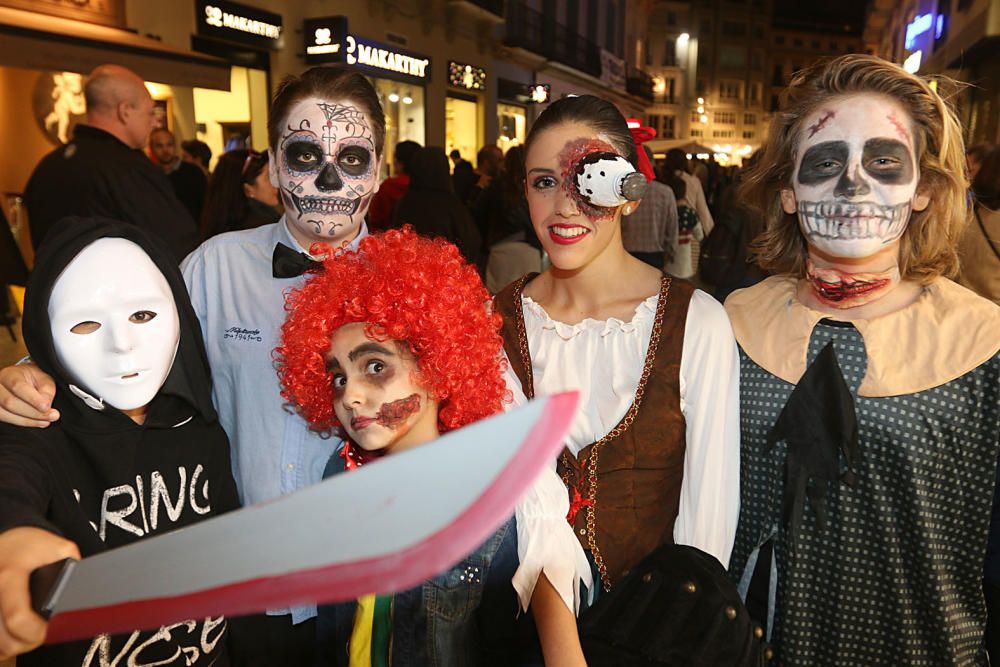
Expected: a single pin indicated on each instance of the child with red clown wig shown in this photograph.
(391, 345)
(403, 288)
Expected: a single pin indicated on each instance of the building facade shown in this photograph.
(453, 73)
(959, 39)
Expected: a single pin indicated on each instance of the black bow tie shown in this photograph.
(287, 263)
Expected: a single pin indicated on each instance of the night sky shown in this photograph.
(842, 16)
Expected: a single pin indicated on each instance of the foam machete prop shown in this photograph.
(385, 527)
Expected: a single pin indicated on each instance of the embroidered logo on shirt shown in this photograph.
(238, 333)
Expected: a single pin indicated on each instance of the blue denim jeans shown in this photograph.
(466, 615)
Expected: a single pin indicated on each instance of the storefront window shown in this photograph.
(512, 121)
(237, 118)
(404, 115)
(461, 129)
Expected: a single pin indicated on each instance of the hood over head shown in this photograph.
(187, 388)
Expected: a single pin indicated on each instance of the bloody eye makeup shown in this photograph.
(569, 162)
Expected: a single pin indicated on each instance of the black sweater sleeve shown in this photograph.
(25, 481)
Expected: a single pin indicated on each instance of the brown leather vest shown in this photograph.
(629, 494)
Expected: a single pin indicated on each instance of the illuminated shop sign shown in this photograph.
(912, 64)
(523, 93)
(324, 39)
(381, 58)
(234, 22)
(465, 76)
(917, 27)
(540, 93)
(328, 40)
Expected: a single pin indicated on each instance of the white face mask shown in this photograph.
(326, 169)
(856, 176)
(114, 324)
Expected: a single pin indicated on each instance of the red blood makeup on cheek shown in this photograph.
(569, 158)
(394, 413)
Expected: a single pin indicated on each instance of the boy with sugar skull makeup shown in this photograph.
(326, 131)
(870, 381)
(138, 450)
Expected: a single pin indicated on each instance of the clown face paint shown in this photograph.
(114, 325)
(326, 169)
(376, 399)
(856, 176)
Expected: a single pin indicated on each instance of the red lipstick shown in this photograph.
(564, 240)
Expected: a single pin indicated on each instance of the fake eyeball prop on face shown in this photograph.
(609, 180)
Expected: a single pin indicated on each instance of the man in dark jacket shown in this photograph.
(189, 180)
(103, 171)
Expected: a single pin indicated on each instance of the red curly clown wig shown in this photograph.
(405, 288)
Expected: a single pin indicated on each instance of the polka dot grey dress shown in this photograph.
(895, 575)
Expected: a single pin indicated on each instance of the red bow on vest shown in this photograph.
(641, 135)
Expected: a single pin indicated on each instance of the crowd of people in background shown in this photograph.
(710, 451)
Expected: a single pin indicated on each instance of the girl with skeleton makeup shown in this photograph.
(869, 380)
(656, 441)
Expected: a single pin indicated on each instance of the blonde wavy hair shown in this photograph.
(927, 248)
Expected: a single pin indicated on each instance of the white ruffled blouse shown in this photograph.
(603, 360)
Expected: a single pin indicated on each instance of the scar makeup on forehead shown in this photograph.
(394, 413)
(821, 123)
(569, 158)
(900, 128)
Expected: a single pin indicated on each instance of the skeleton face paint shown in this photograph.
(375, 396)
(114, 324)
(856, 176)
(327, 169)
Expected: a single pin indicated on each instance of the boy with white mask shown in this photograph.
(138, 450)
(870, 383)
(326, 131)
(116, 337)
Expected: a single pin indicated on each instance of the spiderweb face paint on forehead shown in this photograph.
(569, 158)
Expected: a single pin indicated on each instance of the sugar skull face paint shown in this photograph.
(856, 176)
(376, 399)
(326, 169)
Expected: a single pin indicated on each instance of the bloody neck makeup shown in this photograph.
(327, 168)
(841, 289)
(854, 184)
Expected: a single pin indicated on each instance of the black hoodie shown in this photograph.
(99, 479)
